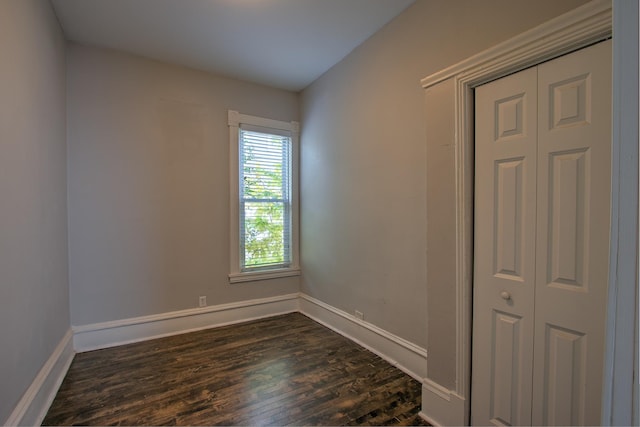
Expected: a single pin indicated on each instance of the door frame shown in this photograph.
(581, 27)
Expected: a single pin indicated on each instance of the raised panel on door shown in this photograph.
(564, 376)
(574, 157)
(506, 133)
(506, 370)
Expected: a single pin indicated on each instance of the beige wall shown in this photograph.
(377, 236)
(34, 292)
(149, 185)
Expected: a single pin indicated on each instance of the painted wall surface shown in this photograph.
(376, 233)
(441, 243)
(149, 185)
(34, 290)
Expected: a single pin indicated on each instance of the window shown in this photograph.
(264, 202)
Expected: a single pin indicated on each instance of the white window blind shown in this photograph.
(265, 198)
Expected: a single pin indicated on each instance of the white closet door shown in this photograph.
(542, 197)
(572, 261)
(504, 254)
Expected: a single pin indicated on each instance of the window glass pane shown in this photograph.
(265, 235)
(264, 199)
(264, 162)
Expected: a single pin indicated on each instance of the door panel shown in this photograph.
(574, 179)
(564, 376)
(567, 205)
(506, 368)
(506, 133)
(508, 201)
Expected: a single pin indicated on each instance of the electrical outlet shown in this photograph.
(359, 315)
(202, 301)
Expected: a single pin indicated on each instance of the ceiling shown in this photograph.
(281, 43)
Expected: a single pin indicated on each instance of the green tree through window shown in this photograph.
(264, 200)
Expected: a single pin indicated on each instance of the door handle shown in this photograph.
(505, 295)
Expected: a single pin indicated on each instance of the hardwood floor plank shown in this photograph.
(285, 370)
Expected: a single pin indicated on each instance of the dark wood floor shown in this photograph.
(286, 370)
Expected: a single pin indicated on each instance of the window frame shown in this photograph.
(235, 121)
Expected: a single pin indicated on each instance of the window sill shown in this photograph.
(263, 275)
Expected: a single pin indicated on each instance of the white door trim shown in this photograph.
(578, 28)
(620, 395)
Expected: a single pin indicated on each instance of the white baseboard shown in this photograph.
(401, 353)
(34, 404)
(441, 406)
(109, 334)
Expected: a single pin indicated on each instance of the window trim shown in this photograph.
(235, 120)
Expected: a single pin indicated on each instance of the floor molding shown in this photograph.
(401, 353)
(441, 406)
(109, 334)
(34, 404)
(428, 419)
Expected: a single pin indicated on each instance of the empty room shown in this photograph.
(319, 212)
